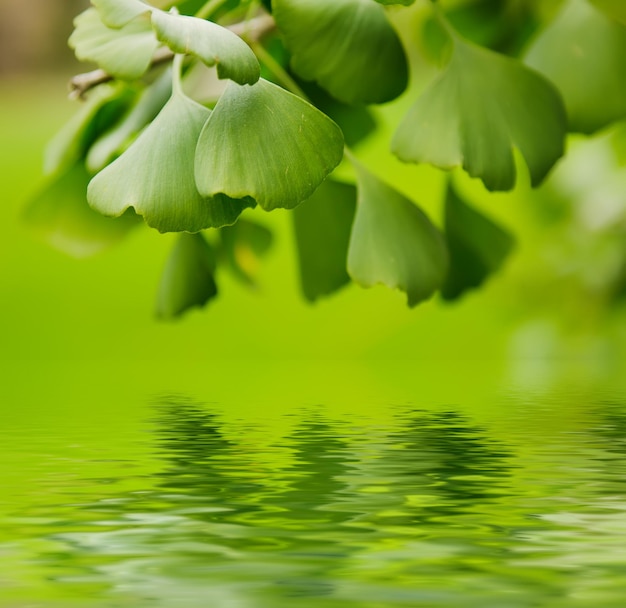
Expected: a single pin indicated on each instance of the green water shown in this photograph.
(410, 486)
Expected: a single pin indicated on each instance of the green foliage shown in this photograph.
(187, 162)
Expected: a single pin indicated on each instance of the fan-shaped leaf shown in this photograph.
(60, 215)
(117, 13)
(616, 9)
(394, 243)
(322, 227)
(584, 54)
(348, 47)
(476, 111)
(213, 44)
(187, 279)
(477, 246)
(125, 53)
(265, 143)
(155, 175)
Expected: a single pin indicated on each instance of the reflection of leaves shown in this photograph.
(61, 216)
(187, 280)
(394, 243)
(481, 106)
(265, 143)
(322, 228)
(584, 54)
(155, 175)
(348, 47)
(477, 246)
(125, 53)
(213, 44)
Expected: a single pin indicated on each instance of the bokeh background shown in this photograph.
(559, 297)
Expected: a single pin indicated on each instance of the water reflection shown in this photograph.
(429, 508)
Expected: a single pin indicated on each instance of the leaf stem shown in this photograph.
(283, 77)
(177, 68)
(209, 8)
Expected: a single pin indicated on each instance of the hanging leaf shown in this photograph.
(155, 175)
(473, 115)
(348, 47)
(477, 246)
(60, 215)
(187, 280)
(584, 54)
(616, 9)
(105, 105)
(394, 243)
(213, 44)
(125, 53)
(265, 143)
(322, 229)
(241, 247)
(145, 109)
(118, 13)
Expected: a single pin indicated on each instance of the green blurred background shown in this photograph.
(559, 296)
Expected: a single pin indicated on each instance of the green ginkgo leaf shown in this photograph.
(394, 243)
(60, 215)
(213, 44)
(125, 53)
(155, 175)
(583, 53)
(322, 228)
(477, 246)
(265, 143)
(241, 247)
(141, 113)
(616, 9)
(348, 47)
(188, 278)
(118, 13)
(482, 106)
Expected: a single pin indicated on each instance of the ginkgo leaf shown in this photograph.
(117, 13)
(322, 226)
(187, 279)
(241, 247)
(482, 106)
(265, 143)
(155, 175)
(105, 105)
(125, 53)
(616, 9)
(213, 44)
(348, 47)
(477, 246)
(60, 215)
(394, 243)
(583, 53)
(146, 108)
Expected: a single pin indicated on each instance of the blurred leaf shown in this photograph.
(105, 105)
(60, 215)
(242, 246)
(481, 106)
(187, 279)
(155, 175)
(125, 53)
(213, 44)
(584, 54)
(388, 2)
(145, 109)
(394, 243)
(117, 13)
(322, 228)
(348, 47)
(268, 144)
(616, 9)
(477, 246)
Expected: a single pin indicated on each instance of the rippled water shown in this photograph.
(510, 499)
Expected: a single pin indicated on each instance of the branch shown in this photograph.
(252, 31)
